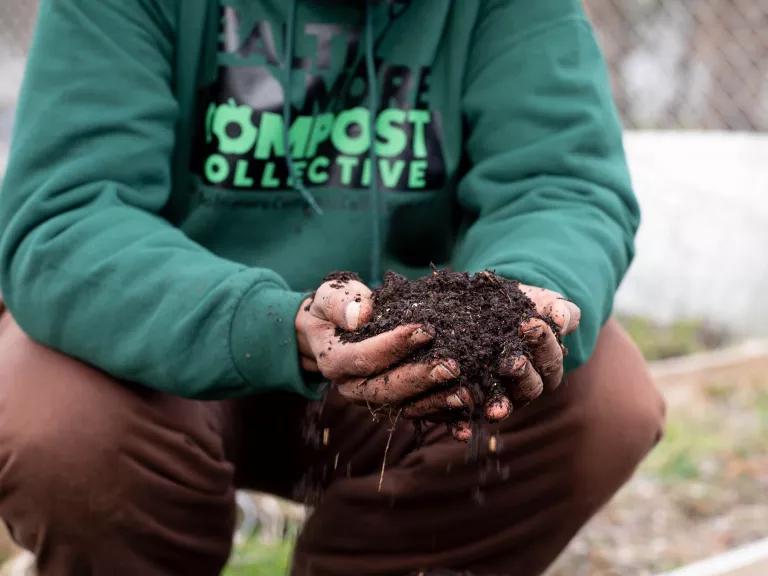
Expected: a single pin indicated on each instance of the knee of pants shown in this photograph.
(635, 406)
(61, 464)
(85, 458)
(100, 462)
(620, 420)
(633, 424)
(648, 416)
(64, 427)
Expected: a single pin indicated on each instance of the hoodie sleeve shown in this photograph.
(88, 266)
(548, 197)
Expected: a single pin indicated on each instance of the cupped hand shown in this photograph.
(366, 372)
(524, 379)
(520, 379)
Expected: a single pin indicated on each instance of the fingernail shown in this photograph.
(519, 366)
(420, 336)
(533, 332)
(446, 370)
(462, 431)
(575, 315)
(498, 409)
(352, 315)
(454, 401)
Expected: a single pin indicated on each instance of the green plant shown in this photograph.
(658, 341)
(256, 559)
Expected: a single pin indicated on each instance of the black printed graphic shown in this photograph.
(241, 142)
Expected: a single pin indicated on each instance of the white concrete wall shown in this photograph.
(702, 248)
(11, 72)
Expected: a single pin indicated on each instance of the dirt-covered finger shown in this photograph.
(497, 408)
(565, 314)
(546, 351)
(461, 431)
(347, 304)
(400, 384)
(553, 305)
(521, 379)
(302, 325)
(443, 403)
(376, 354)
(541, 297)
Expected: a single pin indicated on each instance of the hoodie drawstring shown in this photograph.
(290, 46)
(373, 108)
(377, 207)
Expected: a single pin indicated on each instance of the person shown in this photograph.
(183, 177)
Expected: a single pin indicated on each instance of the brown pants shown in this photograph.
(102, 478)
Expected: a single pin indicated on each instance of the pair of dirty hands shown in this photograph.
(371, 372)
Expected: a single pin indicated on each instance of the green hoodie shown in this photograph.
(153, 226)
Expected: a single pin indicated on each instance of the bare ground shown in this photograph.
(702, 492)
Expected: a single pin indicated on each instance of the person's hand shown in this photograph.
(361, 370)
(523, 379)
(520, 379)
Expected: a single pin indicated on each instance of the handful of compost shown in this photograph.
(498, 340)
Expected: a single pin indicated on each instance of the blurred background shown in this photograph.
(16, 22)
(691, 82)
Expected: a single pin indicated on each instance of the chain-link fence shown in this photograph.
(677, 64)
(16, 19)
(688, 64)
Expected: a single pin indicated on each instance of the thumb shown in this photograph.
(347, 304)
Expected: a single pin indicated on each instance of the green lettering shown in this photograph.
(216, 169)
(357, 141)
(298, 136)
(242, 180)
(320, 133)
(391, 137)
(299, 168)
(419, 119)
(234, 129)
(272, 138)
(210, 115)
(347, 164)
(417, 175)
(268, 179)
(365, 177)
(391, 171)
(315, 175)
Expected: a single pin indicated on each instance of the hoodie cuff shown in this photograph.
(263, 342)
